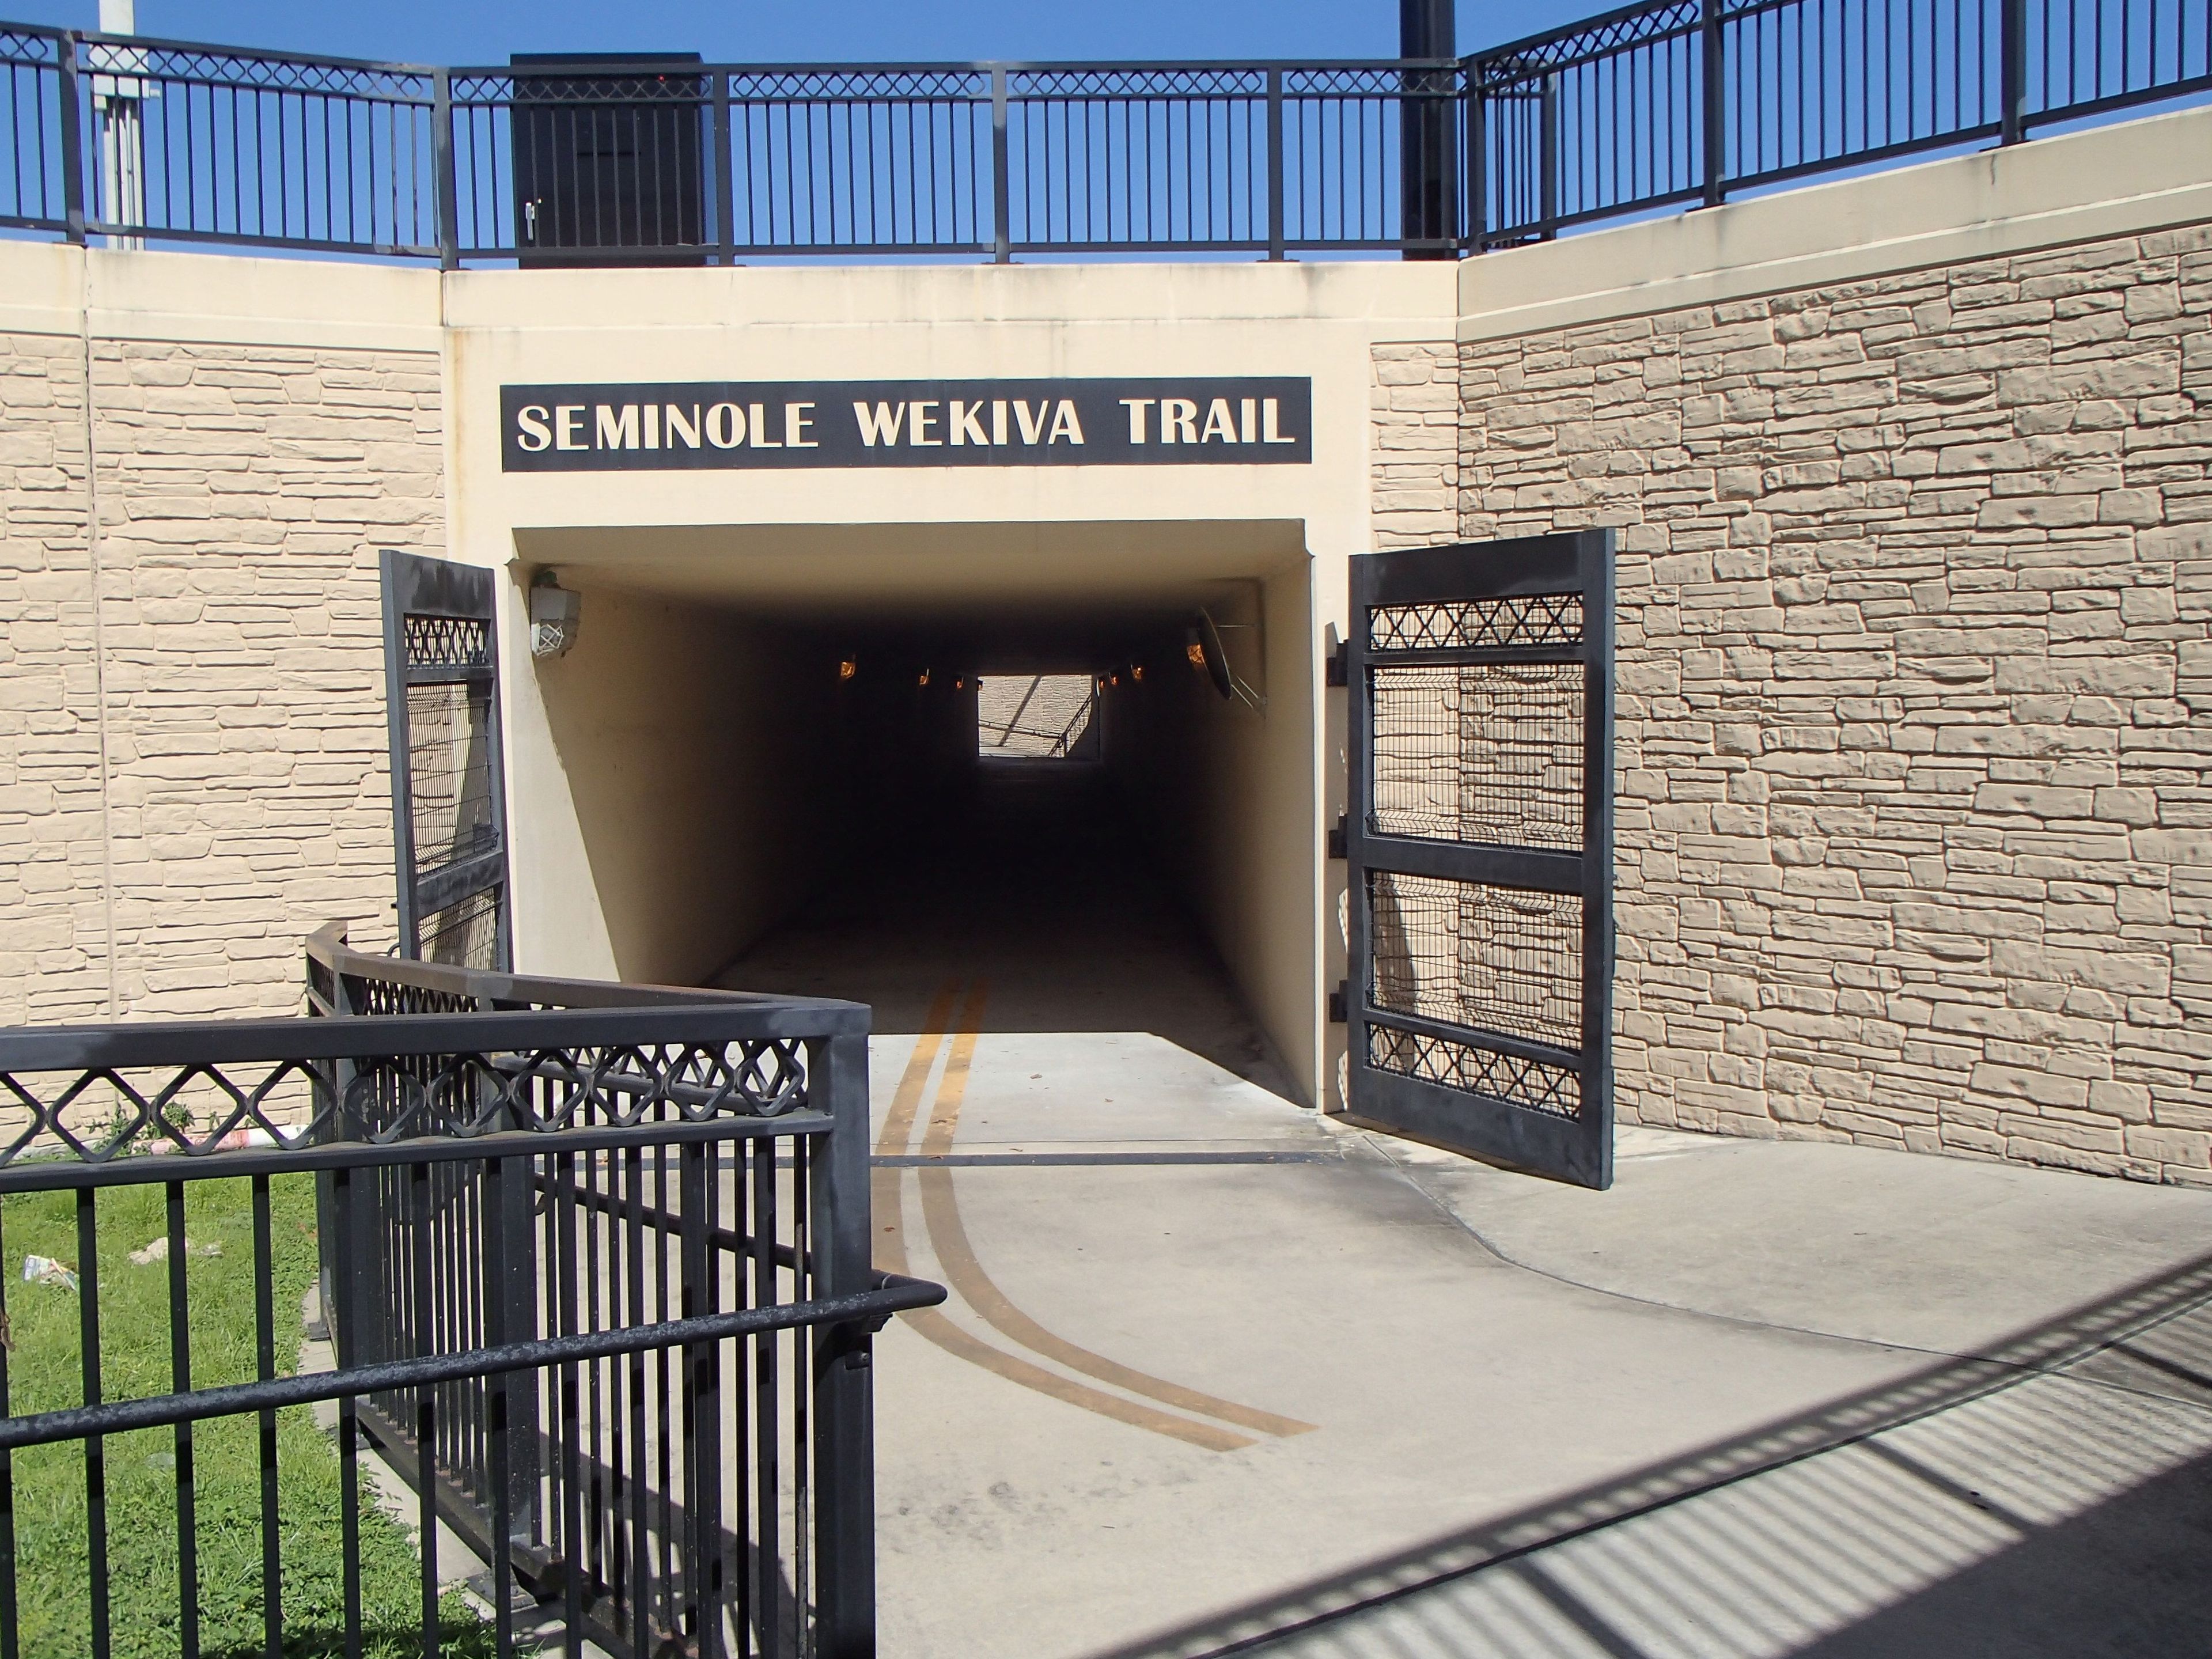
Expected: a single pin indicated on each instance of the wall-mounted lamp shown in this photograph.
(924, 680)
(554, 615)
(847, 667)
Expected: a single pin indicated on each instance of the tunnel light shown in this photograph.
(1137, 672)
(924, 680)
(554, 615)
(847, 667)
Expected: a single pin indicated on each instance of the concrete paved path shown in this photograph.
(1220, 1374)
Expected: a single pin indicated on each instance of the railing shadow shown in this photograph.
(2052, 1494)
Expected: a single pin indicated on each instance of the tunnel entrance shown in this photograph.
(870, 765)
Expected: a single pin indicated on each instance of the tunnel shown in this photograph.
(878, 763)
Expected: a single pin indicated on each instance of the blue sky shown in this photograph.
(748, 31)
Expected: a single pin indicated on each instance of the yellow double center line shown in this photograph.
(948, 1238)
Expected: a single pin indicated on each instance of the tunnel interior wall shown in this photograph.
(1224, 795)
(691, 743)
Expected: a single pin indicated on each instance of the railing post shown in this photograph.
(844, 1398)
(726, 191)
(1547, 156)
(1002, 241)
(1275, 242)
(72, 142)
(1715, 102)
(448, 186)
(2013, 70)
(1475, 101)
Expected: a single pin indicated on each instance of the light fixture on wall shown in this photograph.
(554, 615)
(1209, 656)
(847, 667)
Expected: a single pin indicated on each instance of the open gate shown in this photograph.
(448, 776)
(1478, 837)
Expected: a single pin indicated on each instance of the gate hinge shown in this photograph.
(1339, 1007)
(1338, 669)
(1340, 836)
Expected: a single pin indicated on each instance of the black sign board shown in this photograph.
(717, 425)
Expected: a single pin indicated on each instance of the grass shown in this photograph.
(52, 1553)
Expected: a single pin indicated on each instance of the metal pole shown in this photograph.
(844, 1396)
(72, 144)
(725, 193)
(447, 185)
(1716, 103)
(1547, 156)
(2014, 70)
(1476, 103)
(1275, 246)
(1424, 30)
(1002, 241)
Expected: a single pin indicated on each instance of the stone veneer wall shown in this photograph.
(240, 495)
(1915, 714)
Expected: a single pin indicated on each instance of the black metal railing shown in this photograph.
(1672, 102)
(595, 1262)
(1688, 100)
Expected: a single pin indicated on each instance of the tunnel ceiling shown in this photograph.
(983, 583)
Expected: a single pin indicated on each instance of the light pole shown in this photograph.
(119, 97)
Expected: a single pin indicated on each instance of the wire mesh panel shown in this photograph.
(1479, 835)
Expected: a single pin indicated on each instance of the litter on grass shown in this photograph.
(45, 1270)
(158, 1250)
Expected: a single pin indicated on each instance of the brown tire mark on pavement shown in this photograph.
(931, 1323)
(948, 1236)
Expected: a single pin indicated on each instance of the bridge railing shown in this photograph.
(1687, 101)
(1666, 102)
(595, 1263)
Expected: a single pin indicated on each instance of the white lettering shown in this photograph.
(998, 420)
(725, 426)
(614, 428)
(796, 421)
(881, 424)
(568, 427)
(1270, 412)
(652, 426)
(535, 434)
(925, 416)
(682, 426)
(1136, 406)
(1032, 425)
(761, 440)
(1178, 420)
(1065, 425)
(1245, 434)
(1217, 421)
(966, 428)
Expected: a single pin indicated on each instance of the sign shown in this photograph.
(738, 425)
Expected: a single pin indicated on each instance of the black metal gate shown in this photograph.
(448, 778)
(1480, 840)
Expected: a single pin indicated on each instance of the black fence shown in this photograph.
(595, 1263)
(677, 162)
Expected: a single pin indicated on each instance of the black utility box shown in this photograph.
(608, 160)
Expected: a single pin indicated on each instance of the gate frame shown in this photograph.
(1580, 1149)
(421, 584)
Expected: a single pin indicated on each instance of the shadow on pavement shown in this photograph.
(2050, 1496)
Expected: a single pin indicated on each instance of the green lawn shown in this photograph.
(44, 1372)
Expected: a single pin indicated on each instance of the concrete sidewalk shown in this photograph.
(1500, 1369)
(1219, 1374)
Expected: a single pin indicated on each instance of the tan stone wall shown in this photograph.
(1915, 720)
(240, 493)
(1416, 401)
(53, 949)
